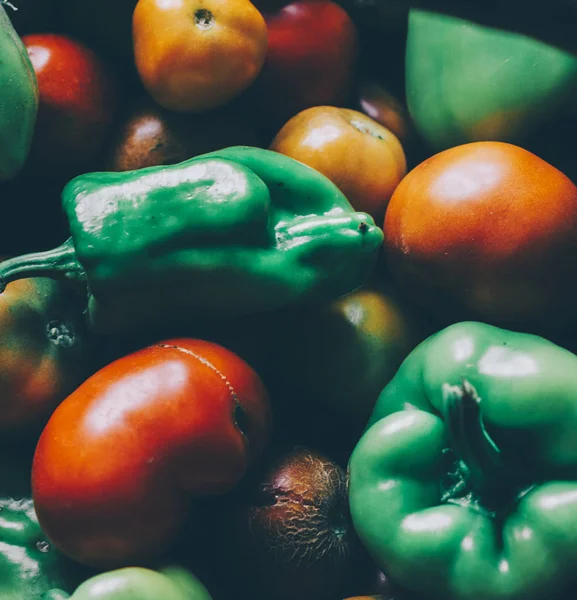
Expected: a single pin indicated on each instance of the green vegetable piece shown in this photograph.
(232, 232)
(467, 82)
(18, 100)
(464, 485)
(136, 583)
(29, 565)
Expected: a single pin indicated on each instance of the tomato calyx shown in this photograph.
(203, 18)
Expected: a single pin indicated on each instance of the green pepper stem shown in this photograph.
(59, 263)
(482, 460)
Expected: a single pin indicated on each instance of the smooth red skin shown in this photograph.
(77, 100)
(121, 458)
(312, 50)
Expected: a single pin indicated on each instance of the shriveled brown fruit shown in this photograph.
(150, 136)
(291, 534)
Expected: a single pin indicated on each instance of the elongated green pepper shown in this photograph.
(18, 100)
(136, 583)
(464, 486)
(232, 232)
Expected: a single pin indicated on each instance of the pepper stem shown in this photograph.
(59, 263)
(482, 461)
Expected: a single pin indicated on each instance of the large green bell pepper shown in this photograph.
(231, 232)
(466, 82)
(136, 583)
(464, 486)
(18, 100)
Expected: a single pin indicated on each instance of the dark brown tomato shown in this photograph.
(151, 136)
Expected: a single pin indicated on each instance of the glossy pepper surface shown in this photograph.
(464, 485)
(136, 583)
(231, 232)
(467, 82)
(18, 100)
(29, 564)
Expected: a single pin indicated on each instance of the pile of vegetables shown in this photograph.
(287, 303)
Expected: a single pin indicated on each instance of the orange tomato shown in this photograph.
(44, 354)
(194, 55)
(486, 230)
(364, 159)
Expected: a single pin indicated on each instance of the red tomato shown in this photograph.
(121, 458)
(312, 50)
(77, 101)
(486, 230)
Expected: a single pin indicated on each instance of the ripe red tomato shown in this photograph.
(311, 59)
(486, 230)
(121, 458)
(77, 101)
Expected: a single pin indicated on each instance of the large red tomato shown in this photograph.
(121, 458)
(487, 230)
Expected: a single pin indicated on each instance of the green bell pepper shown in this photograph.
(464, 485)
(467, 82)
(29, 564)
(18, 100)
(232, 232)
(136, 583)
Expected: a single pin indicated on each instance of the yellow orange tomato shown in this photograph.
(363, 158)
(194, 55)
